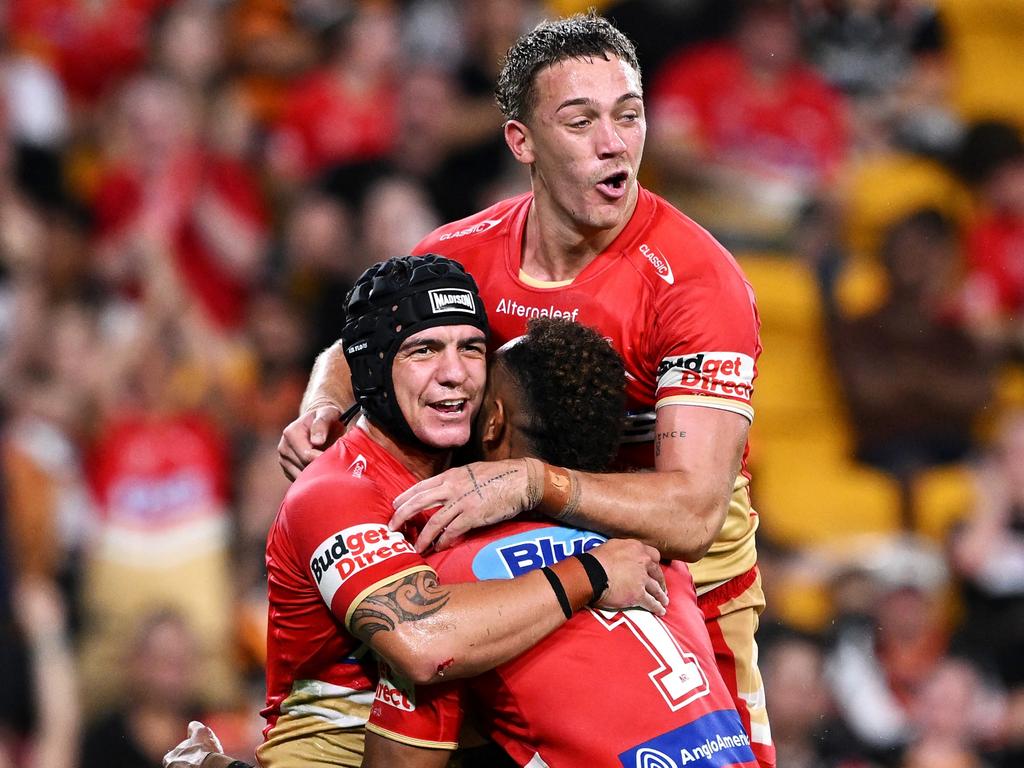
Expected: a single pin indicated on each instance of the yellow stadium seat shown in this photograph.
(806, 487)
(941, 497)
(987, 56)
(882, 189)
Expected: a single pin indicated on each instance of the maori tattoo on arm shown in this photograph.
(666, 436)
(412, 598)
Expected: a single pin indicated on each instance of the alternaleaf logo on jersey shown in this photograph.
(352, 550)
(451, 300)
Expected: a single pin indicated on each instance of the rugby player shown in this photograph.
(589, 244)
(340, 582)
(608, 689)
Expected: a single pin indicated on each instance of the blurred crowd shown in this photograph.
(188, 188)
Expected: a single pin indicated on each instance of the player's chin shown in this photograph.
(446, 435)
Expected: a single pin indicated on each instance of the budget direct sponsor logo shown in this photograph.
(520, 553)
(730, 374)
(351, 551)
(451, 300)
(476, 229)
(716, 740)
(659, 262)
(515, 309)
(394, 695)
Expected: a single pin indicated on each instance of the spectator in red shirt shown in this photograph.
(92, 46)
(745, 130)
(203, 209)
(345, 111)
(992, 162)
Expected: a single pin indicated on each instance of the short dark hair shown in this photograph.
(574, 389)
(582, 35)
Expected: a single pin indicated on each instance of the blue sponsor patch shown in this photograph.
(716, 740)
(519, 553)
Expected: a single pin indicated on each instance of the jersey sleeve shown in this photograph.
(706, 336)
(427, 716)
(338, 529)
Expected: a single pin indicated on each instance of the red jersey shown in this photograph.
(658, 675)
(671, 301)
(329, 548)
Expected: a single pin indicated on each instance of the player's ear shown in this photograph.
(495, 427)
(520, 141)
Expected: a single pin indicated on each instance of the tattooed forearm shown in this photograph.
(666, 436)
(415, 597)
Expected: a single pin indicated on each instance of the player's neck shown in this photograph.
(556, 249)
(419, 462)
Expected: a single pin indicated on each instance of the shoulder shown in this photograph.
(466, 235)
(332, 486)
(675, 255)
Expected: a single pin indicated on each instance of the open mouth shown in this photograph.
(454, 406)
(614, 185)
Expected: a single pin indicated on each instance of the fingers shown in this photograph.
(294, 450)
(324, 418)
(289, 460)
(434, 528)
(649, 601)
(659, 593)
(655, 571)
(424, 485)
(427, 499)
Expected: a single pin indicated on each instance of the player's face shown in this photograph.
(439, 376)
(586, 137)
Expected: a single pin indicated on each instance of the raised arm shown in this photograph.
(679, 508)
(429, 631)
(327, 395)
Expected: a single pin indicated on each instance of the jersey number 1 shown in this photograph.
(678, 676)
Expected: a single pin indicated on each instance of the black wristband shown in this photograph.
(556, 585)
(239, 764)
(596, 573)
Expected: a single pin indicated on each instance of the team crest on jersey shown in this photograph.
(520, 553)
(659, 262)
(716, 740)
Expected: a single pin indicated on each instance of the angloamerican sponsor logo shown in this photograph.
(515, 309)
(451, 300)
(476, 229)
(659, 262)
(730, 374)
(716, 740)
(514, 555)
(352, 550)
